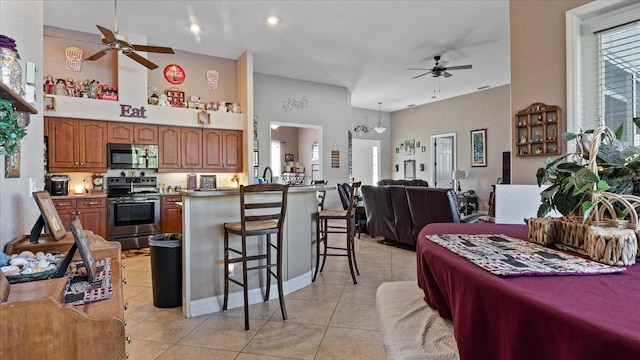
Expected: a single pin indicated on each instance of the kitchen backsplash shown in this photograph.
(223, 180)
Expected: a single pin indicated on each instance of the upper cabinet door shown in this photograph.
(92, 144)
(191, 139)
(232, 150)
(120, 133)
(145, 134)
(212, 157)
(169, 147)
(63, 143)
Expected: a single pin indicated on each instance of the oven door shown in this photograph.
(132, 220)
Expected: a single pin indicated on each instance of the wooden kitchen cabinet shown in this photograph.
(132, 133)
(170, 214)
(222, 150)
(179, 148)
(37, 324)
(92, 213)
(77, 145)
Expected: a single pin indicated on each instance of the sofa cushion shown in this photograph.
(377, 205)
(431, 205)
(401, 214)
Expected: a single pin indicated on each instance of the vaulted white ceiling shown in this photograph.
(364, 46)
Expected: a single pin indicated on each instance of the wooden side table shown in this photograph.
(468, 204)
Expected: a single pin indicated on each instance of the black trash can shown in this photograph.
(166, 269)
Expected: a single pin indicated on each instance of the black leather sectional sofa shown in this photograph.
(399, 212)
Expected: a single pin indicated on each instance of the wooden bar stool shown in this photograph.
(262, 212)
(323, 229)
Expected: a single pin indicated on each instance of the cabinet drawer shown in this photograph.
(168, 200)
(65, 204)
(91, 203)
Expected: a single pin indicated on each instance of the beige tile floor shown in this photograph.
(329, 319)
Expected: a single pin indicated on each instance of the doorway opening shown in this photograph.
(298, 143)
(443, 159)
(366, 161)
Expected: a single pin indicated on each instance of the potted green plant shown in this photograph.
(10, 132)
(572, 183)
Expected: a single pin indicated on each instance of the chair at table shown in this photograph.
(323, 229)
(262, 212)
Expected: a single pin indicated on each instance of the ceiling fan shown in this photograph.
(119, 42)
(440, 69)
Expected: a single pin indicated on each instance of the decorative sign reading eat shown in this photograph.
(130, 111)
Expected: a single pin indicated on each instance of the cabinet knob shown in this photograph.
(81, 164)
(126, 306)
(126, 355)
(75, 163)
(125, 323)
(128, 338)
(124, 266)
(124, 281)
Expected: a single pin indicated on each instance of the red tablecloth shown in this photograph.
(529, 317)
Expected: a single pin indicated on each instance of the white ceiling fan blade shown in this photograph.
(421, 75)
(462, 67)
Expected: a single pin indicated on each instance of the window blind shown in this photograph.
(619, 79)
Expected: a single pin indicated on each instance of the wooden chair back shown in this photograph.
(263, 202)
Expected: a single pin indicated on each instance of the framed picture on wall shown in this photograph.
(479, 147)
(409, 147)
(288, 157)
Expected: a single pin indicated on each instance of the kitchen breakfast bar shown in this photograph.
(203, 216)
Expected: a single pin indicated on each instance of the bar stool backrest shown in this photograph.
(321, 194)
(260, 202)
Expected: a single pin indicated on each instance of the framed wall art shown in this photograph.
(409, 147)
(479, 147)
(49, 217)
(204, 117)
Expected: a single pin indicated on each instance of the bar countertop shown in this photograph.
(230, 191)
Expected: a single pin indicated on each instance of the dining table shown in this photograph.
(528, 317)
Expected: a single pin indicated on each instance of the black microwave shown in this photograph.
(130, 156)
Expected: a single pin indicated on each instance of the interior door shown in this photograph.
(443, 155)
(366, 161)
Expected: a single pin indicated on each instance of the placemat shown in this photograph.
(506, 256)
(80, 291)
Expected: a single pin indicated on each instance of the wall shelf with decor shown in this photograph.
(537, 130)
(19, 103)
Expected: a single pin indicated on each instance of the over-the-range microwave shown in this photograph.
(132, 156)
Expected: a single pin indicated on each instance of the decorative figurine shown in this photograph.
(523, 139)
(49, 84)
(71, 87)
(537, 137)
(61, 88)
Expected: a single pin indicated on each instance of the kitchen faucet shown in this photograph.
(264, 175)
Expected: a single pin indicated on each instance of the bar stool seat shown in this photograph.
(323, 229)
(262, 212)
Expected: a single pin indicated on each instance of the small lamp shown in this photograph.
(457, 176)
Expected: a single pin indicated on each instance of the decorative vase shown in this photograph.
(10, 70)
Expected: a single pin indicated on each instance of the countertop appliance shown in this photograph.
(133, 210)
(57, 184)
(132, 156)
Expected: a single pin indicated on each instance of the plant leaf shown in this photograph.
(618, 132)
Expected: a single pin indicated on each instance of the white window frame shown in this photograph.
(603, 15)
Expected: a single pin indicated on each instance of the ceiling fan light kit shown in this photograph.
(440, 69)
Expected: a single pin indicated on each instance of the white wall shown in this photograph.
(18, 210)
(488, 109)
(327, 106)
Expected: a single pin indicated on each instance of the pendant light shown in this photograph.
(380, 129)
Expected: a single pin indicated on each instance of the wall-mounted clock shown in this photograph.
(97, 180)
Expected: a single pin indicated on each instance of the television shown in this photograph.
(48, 217)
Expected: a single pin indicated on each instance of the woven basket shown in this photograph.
(544, 231)
(610, 233)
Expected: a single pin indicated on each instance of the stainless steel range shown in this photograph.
(133, 210)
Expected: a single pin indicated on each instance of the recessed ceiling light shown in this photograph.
(195, 28)
(273, 20)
